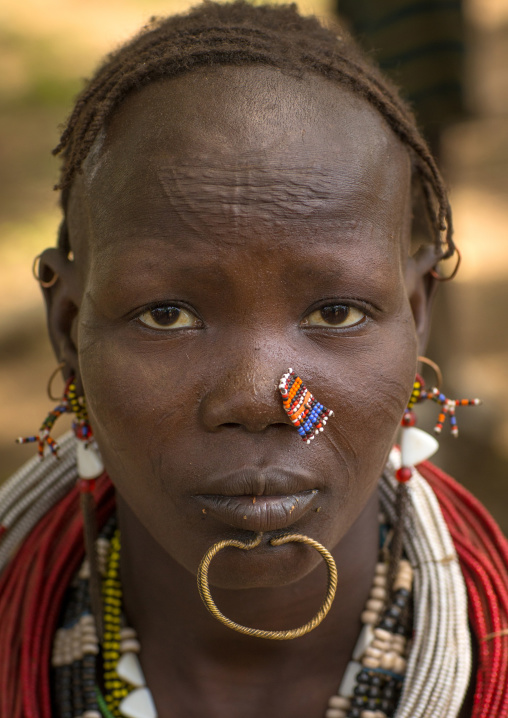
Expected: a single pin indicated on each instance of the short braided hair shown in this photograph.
(239, 33)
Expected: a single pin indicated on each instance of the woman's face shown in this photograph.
(238, 222)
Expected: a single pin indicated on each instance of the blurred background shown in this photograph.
(453, 67)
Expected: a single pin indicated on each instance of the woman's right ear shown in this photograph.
(60, 285)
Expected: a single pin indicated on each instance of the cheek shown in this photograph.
(140, 408)
(136, 399)
(370, 392)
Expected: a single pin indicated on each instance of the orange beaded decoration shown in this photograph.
(448, 407)
(69, 403)
(306, 413)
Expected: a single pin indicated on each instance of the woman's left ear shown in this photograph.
(421, 287)
(61, 289)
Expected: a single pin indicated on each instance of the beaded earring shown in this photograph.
(306, 413)
(89, 462)
(417, 446)
(89, 465)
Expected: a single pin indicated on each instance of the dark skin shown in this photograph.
(216, 223)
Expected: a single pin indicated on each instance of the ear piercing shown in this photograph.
(306, 413)
(35, 271)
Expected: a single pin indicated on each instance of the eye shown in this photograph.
(334, 315)
(169, 317)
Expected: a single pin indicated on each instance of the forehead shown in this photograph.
(233, 144)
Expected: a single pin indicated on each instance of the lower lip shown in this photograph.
(259, 513)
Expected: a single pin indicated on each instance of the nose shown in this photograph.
(246, 395)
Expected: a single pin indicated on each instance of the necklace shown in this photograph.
(39, 515)
(370, 687)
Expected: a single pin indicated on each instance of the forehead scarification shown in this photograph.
(250, 126)
(294, 150)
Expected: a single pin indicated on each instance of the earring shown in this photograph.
(417, 446)
(35, 271)
(44, 438)
(89, 465)
(306, 413)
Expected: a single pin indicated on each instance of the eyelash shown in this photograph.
(367, 309)
(166, 305)
(355, 304)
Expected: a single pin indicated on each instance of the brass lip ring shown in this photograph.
(435, 367)
(50, 382)
(206, 597)
(436, 274)
(45, 285)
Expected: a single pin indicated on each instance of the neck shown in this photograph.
(187, 653)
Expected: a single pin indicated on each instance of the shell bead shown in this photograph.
(364, 641)
(388, 660)
(90, 464)
(90, 648)
(416, 446)
(369, 617)
(129, 669)
(130, 645)
(382, 635)
(339, 702)
(347, 685)
(370, 662)
(138, 704)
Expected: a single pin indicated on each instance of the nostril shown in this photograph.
(253, 428)
(229, 406)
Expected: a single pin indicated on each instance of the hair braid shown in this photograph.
(243, 34)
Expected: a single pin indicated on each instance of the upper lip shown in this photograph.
(251, 481)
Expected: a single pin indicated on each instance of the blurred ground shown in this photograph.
(45, 47)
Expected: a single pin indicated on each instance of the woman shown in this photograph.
(237, 190)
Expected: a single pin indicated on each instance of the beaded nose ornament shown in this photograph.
(304, 410)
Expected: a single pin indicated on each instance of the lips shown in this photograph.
(259, 500)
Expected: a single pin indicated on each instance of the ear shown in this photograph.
(62, 300)
(421, 288)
